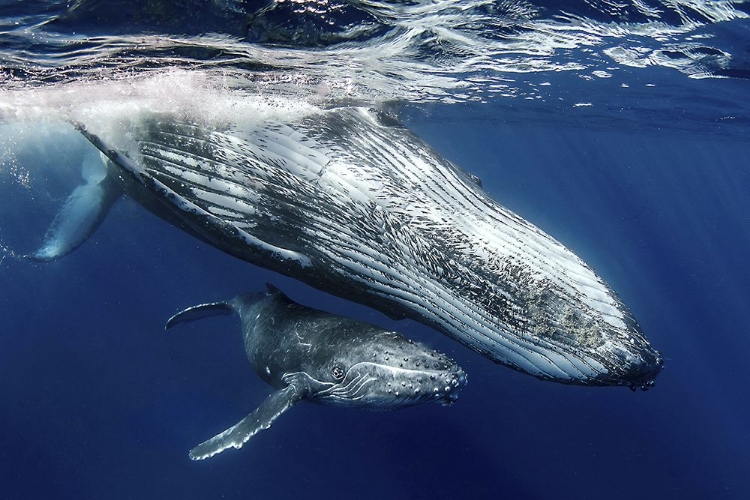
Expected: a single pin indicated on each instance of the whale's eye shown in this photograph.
(338, 372)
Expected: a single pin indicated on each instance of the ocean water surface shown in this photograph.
(620, 128)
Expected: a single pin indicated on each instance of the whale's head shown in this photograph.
(389, 371)
(578, 331)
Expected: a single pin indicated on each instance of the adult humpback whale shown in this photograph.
(352, 203)
(307, 354)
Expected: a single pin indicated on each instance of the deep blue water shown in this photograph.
(98, 401)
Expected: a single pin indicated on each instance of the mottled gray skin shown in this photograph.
(328, 359)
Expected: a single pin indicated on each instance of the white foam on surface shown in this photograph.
(110, 107)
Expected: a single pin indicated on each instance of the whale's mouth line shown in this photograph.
(400, 385)
(544, 357)
(351, 389)
(398, 370)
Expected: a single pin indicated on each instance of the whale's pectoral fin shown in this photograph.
(199, 312)
(262, 418)
(83, 211)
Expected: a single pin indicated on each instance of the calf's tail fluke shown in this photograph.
(199, 312)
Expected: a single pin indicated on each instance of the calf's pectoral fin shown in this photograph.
(262, 418)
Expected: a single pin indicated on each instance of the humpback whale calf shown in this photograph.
(306, 354)
(349, 201)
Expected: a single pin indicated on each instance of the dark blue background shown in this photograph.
(99, 402)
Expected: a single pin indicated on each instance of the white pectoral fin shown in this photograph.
(262, 418)
(82, 213)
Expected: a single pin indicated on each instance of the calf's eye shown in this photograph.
(338, 372)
